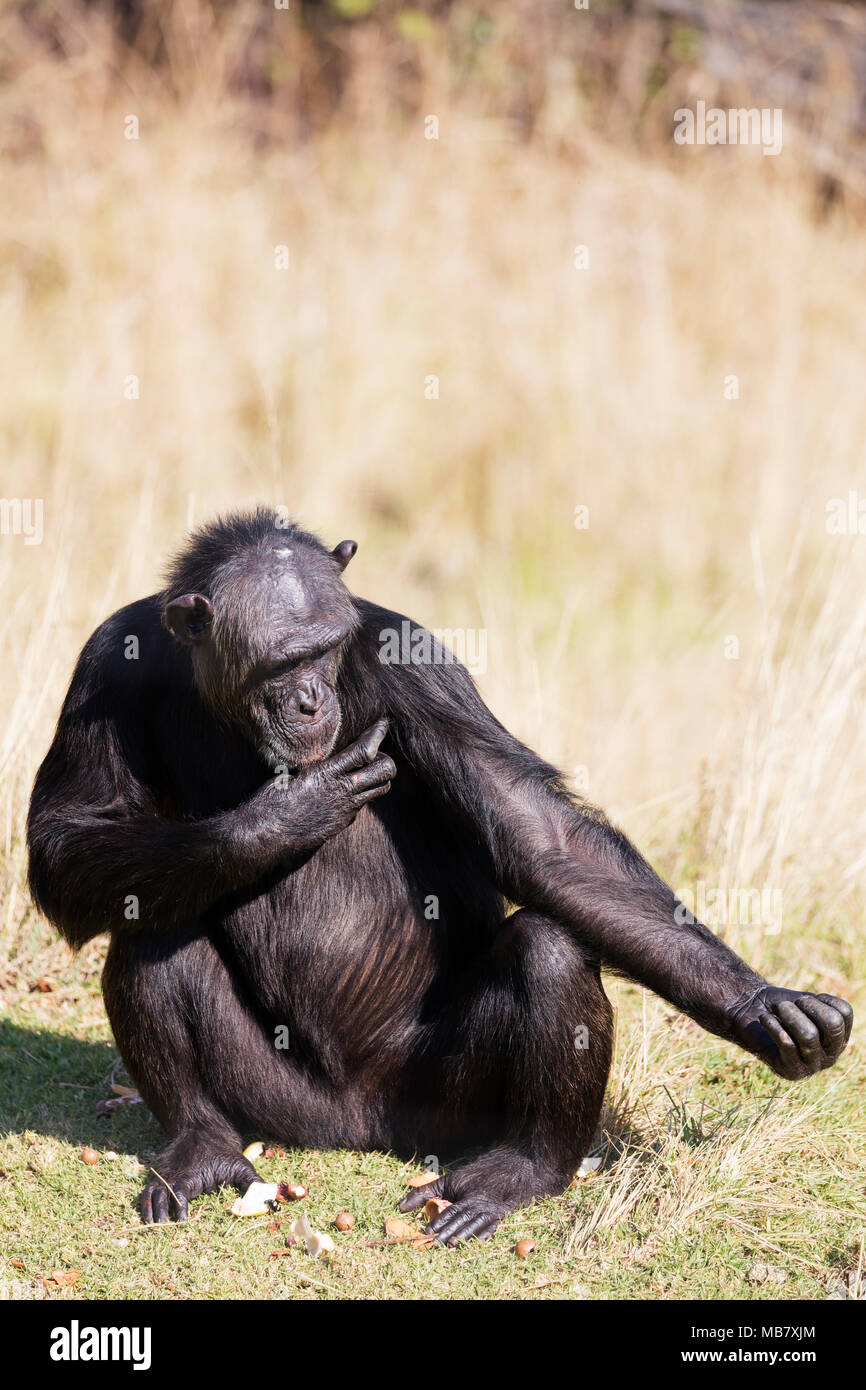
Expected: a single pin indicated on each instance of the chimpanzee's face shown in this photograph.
(267, 648)
(292, 708)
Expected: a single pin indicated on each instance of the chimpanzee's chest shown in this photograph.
(353, 942)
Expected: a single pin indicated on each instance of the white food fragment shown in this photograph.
(319, 1244)
(255, 1200)
(316, 1242)
(587, 1166)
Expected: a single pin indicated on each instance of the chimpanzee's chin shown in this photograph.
(303, 750)
(313, 753)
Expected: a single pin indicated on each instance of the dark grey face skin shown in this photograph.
(293, 710)
(267, 644)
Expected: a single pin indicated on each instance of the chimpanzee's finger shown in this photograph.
(417, 1196)
(160, 1204)
(789, 1063)
(371, 794)
(802, 1031)
(478, 1227)
(463, 1220)
(382, 770)
(842, 1007)
(362, 751)
(830, 1023)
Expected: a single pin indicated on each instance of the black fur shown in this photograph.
(251, 878)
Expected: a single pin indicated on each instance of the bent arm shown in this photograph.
(104, 857)
(96, 869)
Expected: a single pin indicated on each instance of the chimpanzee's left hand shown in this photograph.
(796, 1034)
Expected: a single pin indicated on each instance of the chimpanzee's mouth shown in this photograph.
(290, 754)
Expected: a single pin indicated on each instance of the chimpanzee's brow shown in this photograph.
(325, 641)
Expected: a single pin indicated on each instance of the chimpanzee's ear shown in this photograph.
(343, 552)
(189, 618)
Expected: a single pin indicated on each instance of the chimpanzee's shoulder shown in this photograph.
(371, 616)
(129, 649)
(379, 629)
(405, 654)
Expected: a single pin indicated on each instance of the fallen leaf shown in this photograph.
(433, 1206)
(421, 1179)
(424, 1241)
(398, 1229)
(62, 1277)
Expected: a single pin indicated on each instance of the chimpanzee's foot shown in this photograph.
(482, 1193)
(795, 1033)
(194, 1163)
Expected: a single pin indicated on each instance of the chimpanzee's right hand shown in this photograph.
(325, 797)
(795, 1033)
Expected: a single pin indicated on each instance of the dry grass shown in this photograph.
(558, 387)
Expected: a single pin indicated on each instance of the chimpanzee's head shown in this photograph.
(263, 611)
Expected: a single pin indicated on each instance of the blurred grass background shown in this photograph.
(602, 387)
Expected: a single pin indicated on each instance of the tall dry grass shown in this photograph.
(558, 387)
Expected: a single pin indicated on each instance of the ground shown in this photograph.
(712, 1170)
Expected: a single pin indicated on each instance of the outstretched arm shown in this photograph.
(549, 852)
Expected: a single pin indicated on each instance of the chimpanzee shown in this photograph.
(312, 945)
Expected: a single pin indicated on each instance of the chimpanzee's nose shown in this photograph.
(310, 695)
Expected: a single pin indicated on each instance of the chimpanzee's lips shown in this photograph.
(315, 741)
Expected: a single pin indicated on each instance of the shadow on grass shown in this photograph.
(50, 1084)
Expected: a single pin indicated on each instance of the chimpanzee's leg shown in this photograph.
(523, 1057)
(208, 1069)
(154, 1018)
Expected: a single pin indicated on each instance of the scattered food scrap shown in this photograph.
(422, 1179)
(433, 1206)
